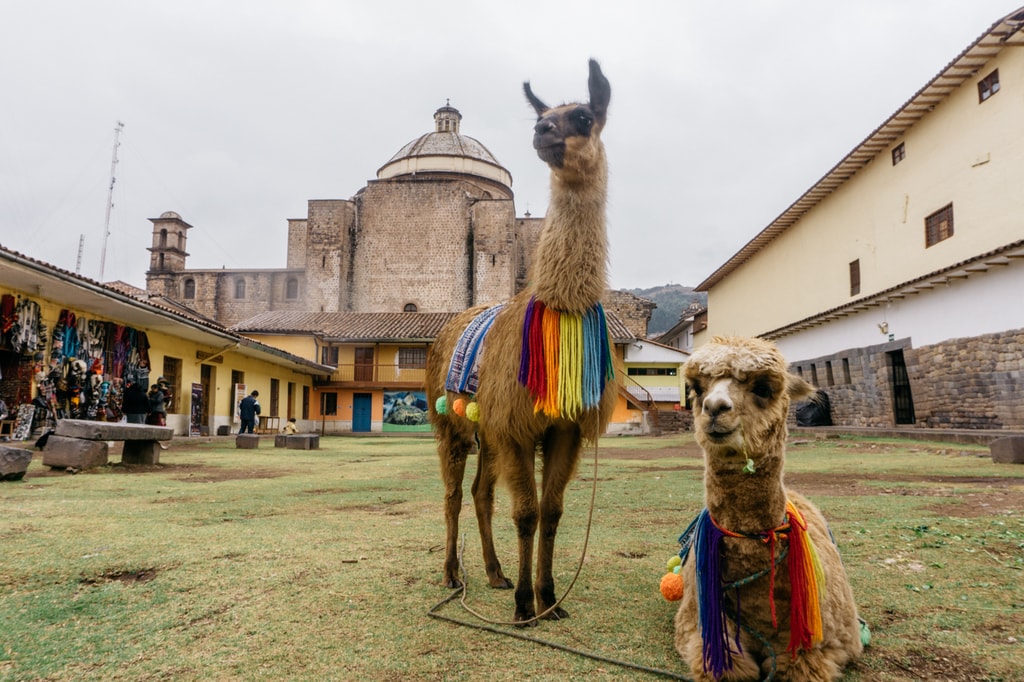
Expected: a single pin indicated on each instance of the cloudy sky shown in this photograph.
(237, 113)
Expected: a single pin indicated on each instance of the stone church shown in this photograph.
(436, 231)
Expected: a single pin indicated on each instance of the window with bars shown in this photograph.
(938, 226)
(412, 358)
(899, 152)
(988, 86)
(239, 288)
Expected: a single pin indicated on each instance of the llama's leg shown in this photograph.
(519, 474)
(452, 448)
(561, 453)
(483, 499)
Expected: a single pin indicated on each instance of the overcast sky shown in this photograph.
(237, 113)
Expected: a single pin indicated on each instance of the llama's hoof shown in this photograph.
(525, 619)
(557, 613)
(501, 583)
(452, 583)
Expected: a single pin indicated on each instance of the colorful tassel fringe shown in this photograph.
(566, 359)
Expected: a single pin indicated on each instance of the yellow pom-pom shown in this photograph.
(672, 586)
(473, 412)
(673, 562)
(459, 406)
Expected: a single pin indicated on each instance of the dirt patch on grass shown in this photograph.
(142, 575)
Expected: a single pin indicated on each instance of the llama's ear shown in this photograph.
(600, 92)
(537, 105)
(797, 388)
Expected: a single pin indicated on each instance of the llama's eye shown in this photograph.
(762, 388)
(697, 389)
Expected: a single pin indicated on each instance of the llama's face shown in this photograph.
(570, 132)
(741, 391)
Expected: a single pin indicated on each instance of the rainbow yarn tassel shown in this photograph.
(806, 578)
(566, 359)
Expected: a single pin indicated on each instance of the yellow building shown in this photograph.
(893, 283)
(54, 323)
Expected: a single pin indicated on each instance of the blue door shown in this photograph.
(362, 403)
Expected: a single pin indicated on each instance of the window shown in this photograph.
(292, 288)
(239, 288)
(275, 398)
(899, 152)
(988, 86)
(172, 373)
(410, 308)
(329, 355)
(652, 371)
(330, 404)
(855, 277)
(938, 226)
(814, 374)
(829, 378)
(190, 288)
(412, 358)
(846, 371)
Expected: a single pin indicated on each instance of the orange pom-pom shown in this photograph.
(459, 406)
(672, 586)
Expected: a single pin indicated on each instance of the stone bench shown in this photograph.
(13, 463)
(82, 444)
(247, 441)
(1008, 450)
(297, 441)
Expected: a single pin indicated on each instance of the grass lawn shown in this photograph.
(226, 564)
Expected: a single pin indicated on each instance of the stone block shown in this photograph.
(61, 452)
(1008, 450)
(13, 463)
(247, 441)
(280, 441)
(91, 430)
(302, 441)
(224, 430)
(141, 452)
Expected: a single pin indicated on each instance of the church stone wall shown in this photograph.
(297, 233)
(412, 246)
(330, 224)
(495, 251)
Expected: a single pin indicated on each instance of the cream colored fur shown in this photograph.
(741, 391)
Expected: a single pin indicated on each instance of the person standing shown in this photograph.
(248, 411)
(135, 403)
(157, 406)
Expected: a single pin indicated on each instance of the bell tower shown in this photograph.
(167, 254)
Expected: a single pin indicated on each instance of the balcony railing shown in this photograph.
(373, 375)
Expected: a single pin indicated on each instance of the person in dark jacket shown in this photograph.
(135, 403)
(248, 410)
(158, 399)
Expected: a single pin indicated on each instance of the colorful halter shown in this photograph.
(566, 359)
(805, 576)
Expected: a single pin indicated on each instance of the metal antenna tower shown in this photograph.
(110, 196)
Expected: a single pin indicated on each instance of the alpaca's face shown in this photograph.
(568, 134)
(741, 391)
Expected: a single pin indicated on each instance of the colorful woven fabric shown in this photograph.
(566, 359)
(464, 367)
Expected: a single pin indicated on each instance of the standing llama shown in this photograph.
(747, 607)
(535, 371)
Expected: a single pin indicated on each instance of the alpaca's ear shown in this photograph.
(537, 105)
(797, 388)
(600, 92)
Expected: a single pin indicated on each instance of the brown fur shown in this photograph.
(741, 391)
(569, 275)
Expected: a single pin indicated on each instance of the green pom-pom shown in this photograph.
(441, 405)
(673, 562)
(865, 633)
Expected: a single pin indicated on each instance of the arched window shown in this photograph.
(190, 288)
(163, 237)
(239, 288)
(409, 308)
(160, 262)
(292, 288)
(181, 241)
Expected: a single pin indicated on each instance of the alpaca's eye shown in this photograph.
(762, 388)
(697, 389)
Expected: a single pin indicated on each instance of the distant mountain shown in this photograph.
(672, 300)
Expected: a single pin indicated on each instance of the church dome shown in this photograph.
(446, 150)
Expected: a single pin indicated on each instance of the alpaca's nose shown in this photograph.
(543, 127)
(716, 402)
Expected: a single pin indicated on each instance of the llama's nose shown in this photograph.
(543, 127)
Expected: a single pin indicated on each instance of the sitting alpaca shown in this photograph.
(759, 555)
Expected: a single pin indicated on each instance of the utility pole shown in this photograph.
(78, 263)
(110, 196)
